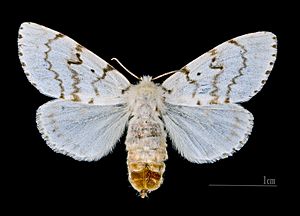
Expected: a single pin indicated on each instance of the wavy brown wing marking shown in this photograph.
(62, 68)
(232, 72)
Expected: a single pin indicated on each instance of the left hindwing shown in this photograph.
(82, 131)
(230, 73)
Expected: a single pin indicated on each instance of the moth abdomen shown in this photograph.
(146, 146)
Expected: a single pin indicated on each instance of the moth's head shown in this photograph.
(146, 79)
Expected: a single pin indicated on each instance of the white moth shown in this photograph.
(196, 106)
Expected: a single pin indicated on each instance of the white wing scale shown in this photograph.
(86, 125)
(230, 73)
(82, 131)
(59, 67)
(199, 117)
(208, 133)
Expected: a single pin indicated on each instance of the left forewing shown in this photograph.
(207, 133)
(60, 67)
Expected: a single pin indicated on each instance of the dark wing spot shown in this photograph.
(214, 101)
(271, 63)
(79, 48)
(59, 35)
(274, 46)
(213, 52)
(227, 100)
(20, 36)
(216, 66)
(185, 70)
(91, 101)
(233, 42)
(198, 74)
(169, 91)
(198, 102)
(268, 72)
(77, 62)
(93, 70)
(220, 67)
(108, 68)
(125, 90)
(263, 81)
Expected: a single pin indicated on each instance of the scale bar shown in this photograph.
(236, 185)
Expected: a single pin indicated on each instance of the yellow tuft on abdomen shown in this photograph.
(146, 177)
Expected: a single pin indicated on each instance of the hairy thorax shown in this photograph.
(145, 98)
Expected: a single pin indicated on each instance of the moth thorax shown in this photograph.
(146, 146)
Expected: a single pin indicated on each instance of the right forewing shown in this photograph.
(232, 72)
(82, 131)
(207, 133)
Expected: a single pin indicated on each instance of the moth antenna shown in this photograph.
(132, 74)
(165, 74)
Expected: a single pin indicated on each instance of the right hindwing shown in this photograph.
(207, 133)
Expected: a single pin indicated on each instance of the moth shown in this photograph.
(197, 106)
